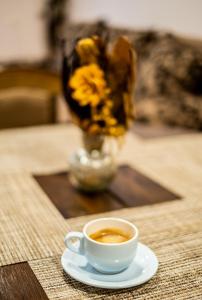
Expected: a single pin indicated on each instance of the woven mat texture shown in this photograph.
(32, 229)
(177, 246)
(30, 226)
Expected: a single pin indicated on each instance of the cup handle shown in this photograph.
(69, 244)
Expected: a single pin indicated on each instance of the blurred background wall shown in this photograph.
(22, 30)
(182, 16)
(25, 18)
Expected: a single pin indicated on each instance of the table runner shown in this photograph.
(32, 229)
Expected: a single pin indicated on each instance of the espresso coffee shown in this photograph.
(110, 235)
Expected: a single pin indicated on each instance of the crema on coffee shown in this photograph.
(110, 235)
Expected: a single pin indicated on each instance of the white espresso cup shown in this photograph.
(105, 257)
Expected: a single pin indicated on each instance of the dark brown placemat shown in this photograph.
(18, 281)
(130, 188)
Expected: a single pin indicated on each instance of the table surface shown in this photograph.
(32, 227)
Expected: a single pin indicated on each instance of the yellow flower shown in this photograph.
(117, 131)
(87, 50)
(94, 129)
(105, 114)
(89, 85)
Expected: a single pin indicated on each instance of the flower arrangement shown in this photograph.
(98, 83)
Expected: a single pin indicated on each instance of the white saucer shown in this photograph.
(143, 268)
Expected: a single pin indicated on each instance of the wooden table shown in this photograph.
(158, 187)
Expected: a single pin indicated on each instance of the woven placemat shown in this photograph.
(30, 226)
(175, 162)
(176, 242)
(39, 149)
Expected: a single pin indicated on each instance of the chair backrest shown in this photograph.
(28, 97)
(29, 31)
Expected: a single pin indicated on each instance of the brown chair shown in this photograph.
(28, 89)
(28, 97)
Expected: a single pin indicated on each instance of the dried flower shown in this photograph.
(87, 50)
(89, 85)
(99, 85)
